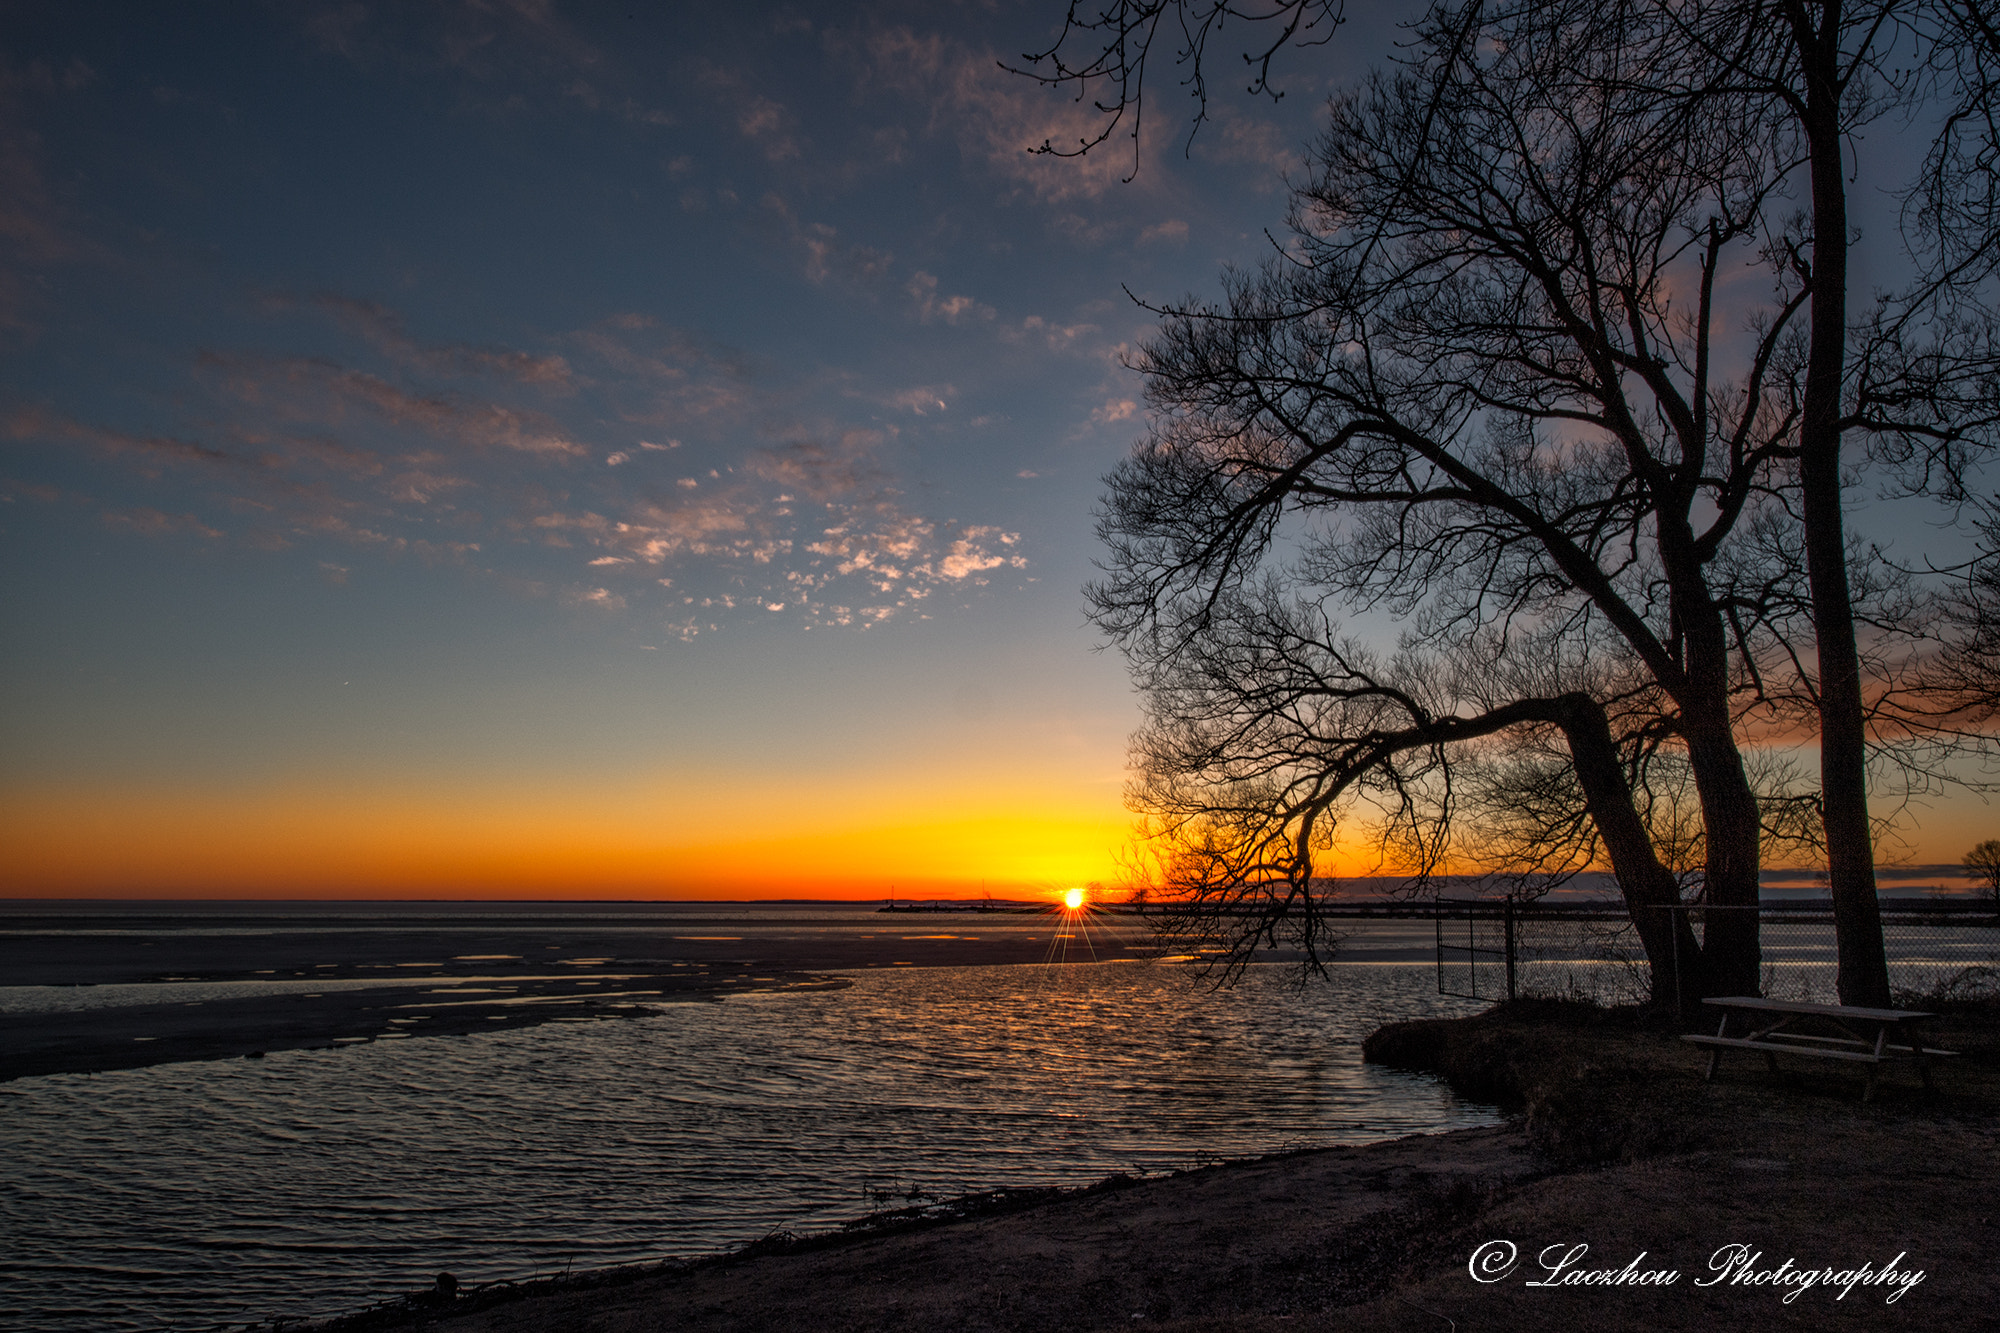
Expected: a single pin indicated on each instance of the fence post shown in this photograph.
(1508, 907)
(1674, 933)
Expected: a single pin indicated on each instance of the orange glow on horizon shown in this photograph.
(733, 838)
(307, 842)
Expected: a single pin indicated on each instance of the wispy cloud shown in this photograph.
(1056, 337)
(319, 390)
(823, 254)
(529, 465)
(922, 400)
(895, 561)
(1234, 135)
(152, 451)
(602, 598)
(659, 377)
(760, 119)
(810, 526)
(504, 56)
(386, 331)
(766, 123)
(156, 523)
(923, 290)
(997, 117)
(35, 230)
(824, 470)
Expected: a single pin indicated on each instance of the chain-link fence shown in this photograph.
(1492, 950)
(1935, 951)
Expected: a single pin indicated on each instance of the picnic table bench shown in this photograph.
(1844, 1032)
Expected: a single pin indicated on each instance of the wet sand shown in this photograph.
(436, 1003)
(426, 976)
(1251, 1236)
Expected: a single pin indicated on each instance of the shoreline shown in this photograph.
(37, 1044)
(1616, 1145)
(348, 981)
(1379, 1179)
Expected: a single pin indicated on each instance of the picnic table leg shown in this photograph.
(1760, 1034)
(1881, 1039)
(1715, 1052)
(1923, 1060)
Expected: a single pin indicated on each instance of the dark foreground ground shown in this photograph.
(1618, 1147)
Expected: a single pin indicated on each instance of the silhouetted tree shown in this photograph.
(1472, 376)
(1105, 53)
(1646, 141)
(1982, 863)
(1264, 730)
(1489, 388)
(1904, 377)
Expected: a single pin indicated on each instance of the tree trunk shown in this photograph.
(1731, 953)
(1850, 851)
(1673, 954)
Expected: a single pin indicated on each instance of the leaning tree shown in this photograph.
(1784, 85)
(1530, 375)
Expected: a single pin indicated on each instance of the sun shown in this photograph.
(1073, 900)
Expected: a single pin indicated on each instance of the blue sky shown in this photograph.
(464, 398)
(612, 448)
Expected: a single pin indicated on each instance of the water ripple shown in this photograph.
(196, 1195)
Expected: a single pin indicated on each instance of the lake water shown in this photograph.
(206, 1195)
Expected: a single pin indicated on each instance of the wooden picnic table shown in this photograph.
(1828, 1031)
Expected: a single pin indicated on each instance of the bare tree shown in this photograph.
(1105, 53)
(1265, 731)
(1490, 389)
(1822, 70)
(1786, 84)
(1982, 864)
(1488, 376)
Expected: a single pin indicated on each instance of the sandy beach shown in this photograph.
(1721, 1196)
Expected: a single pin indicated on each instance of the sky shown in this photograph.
(509, 448)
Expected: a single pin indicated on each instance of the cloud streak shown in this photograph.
(152, 452)
(316, 389)
(530, 466)
(385, 330)
(36, 232)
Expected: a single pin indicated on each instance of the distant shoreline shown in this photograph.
(1946, 879)
(348, 977)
